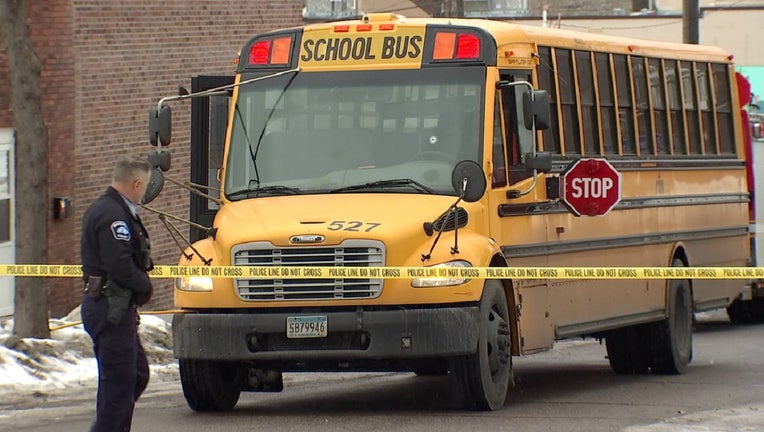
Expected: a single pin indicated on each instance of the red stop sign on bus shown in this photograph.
(590, 187)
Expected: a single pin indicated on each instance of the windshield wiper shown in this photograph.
(274, 190)
(382, 184)
(249, 143)
(270, 114)
(277, 190)
(253, 150)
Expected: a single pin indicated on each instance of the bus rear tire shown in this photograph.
(741, 312)
(210, 385)
(486, 376)
(627, 350)
(671, 339)
(746, 311)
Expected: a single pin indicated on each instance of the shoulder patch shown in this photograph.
(120, 230)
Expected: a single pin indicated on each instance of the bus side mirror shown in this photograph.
(160, 125)
(536, 109)
(540, 161)
(156, 183)
(160, 159)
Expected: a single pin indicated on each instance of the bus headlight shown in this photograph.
(194, 283)
(449, 280)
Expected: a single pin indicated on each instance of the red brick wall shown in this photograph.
(103, 64)
(51, 31)
(6, 116)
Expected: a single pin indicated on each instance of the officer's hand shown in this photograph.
(141, 300)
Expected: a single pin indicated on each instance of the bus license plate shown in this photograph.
(306, 326)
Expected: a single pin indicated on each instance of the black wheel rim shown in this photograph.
(497, 340)
(682, 320)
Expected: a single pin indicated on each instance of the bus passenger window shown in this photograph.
(607, 103)
(642, 98)
(499, 175)
(625, 106)
(723, 108)
(690, 92)
(570, 124)
(588, 103)
(547, 78)
(706, 110)
(658, 94)
(519, 140)
(675, 106)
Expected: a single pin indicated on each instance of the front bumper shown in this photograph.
(404, 333)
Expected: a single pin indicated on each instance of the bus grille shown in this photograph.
(351, 253)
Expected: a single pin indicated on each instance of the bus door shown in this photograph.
(209, 120)
(518, 222)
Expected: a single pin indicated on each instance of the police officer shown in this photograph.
(115, 262)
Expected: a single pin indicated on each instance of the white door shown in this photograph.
(7, 250)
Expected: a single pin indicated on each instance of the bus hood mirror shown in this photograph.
(536, 109)
(160, 125)
(468, 180)
(156, 183)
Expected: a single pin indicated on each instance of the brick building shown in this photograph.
(103, 63)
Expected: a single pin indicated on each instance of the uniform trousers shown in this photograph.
(123, 371)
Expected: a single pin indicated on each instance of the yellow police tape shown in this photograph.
(287, 272)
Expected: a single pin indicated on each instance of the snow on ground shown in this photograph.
(46, 367)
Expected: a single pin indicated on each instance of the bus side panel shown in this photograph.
(717, 252)
(534, 318)
(585, 306)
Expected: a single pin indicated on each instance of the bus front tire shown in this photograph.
(485, 376)
(210, 385)
(431, 367)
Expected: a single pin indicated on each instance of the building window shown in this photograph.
(330, 9)
(502, 8)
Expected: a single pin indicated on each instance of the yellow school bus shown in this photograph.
(426, 143)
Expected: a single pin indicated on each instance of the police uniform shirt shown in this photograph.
(115, 244)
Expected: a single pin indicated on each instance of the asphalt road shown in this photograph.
(568, 389)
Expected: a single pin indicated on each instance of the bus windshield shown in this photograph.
(348, 132)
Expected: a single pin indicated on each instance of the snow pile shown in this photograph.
(47, 366)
